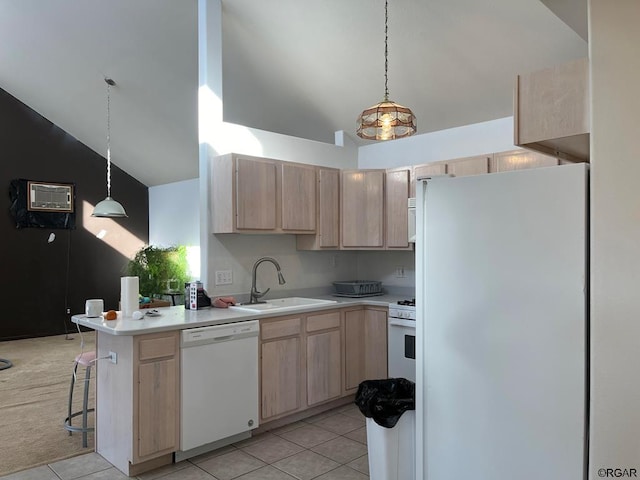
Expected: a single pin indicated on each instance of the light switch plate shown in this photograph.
(224, 277)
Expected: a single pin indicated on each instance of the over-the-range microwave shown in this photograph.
(411, 223)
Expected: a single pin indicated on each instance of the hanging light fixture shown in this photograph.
(109, 207)
(386, 120)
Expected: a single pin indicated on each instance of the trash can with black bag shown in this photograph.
(389, 406)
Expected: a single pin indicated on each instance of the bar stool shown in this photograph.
(86, 359)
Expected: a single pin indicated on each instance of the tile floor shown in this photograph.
(329, 446)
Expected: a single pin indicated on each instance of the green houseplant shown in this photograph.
(160, 269)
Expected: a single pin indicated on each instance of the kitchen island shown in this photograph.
(311, 359)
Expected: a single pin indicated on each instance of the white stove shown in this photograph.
(402, 340)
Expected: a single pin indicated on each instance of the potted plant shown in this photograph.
(160, 269)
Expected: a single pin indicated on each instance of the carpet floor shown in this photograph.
(33, 400)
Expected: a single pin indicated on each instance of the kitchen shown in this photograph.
(610, 430)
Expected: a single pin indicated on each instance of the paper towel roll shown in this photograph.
(129, 295)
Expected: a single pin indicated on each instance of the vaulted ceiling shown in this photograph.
(298, 67)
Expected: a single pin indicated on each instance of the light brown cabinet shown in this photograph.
(365, 332)
(328, 213)
(374, 209)
(362, 209)
(256, 186)
(426, 170)
(156, 395)
(298, 197)
(520, 160)
(396, 195)
(551, 111)
(138, 400)
(463, 167)
(317, 358)
(281, 362)
(258, 195)
(324, 344)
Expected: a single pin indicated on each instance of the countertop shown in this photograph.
(179, 318)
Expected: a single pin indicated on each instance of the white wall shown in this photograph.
(460, 142)
(614, 37)
(382, 266)
(174, 214)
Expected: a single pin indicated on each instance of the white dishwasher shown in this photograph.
(219, 383)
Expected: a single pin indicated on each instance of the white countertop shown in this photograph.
(179, 318)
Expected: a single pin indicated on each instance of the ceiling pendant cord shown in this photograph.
(386, 50)
(110, 83)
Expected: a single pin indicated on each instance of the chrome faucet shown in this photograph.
(255, 294)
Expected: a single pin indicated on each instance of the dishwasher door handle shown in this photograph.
(222, 339)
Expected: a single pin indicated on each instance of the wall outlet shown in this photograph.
(332, 261)
(400, 271)
(224, 277)
(113, 357)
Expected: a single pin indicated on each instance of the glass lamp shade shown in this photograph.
(109, 208)
(386, 121)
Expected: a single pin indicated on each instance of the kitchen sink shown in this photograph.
(279, 304)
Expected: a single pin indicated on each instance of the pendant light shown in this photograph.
(109, 207)
(386, 120)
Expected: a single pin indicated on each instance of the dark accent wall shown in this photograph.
(40, 280)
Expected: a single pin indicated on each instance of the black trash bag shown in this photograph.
(386, 400)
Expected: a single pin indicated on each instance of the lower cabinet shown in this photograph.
(324, 346)
(138, 400)
(156, 395)
(316, 358)
(280, 366)
(365, 331)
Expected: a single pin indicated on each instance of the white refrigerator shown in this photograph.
(502, 325)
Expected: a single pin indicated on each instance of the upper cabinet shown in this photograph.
(426, 170)
(396, 195)
(258, 195)
(551, 111)
(520, 160)
(463, 167)
(362, 209)
(328, 213)
(256, 187)
(298, 195)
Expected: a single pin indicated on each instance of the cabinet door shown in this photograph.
(298, 197)
(520, 160)
(157, 407)
(439, 168)
(323, 367)
(255, 195)
(329, 208)
(362, 208)
(552, 110)
(375, 334)
(354, 361)
(365, 346)
(469, 166)
(396, 197)
(280, 375)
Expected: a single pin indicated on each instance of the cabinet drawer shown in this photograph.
(323, 321)
(157, 347)
(280, 328)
